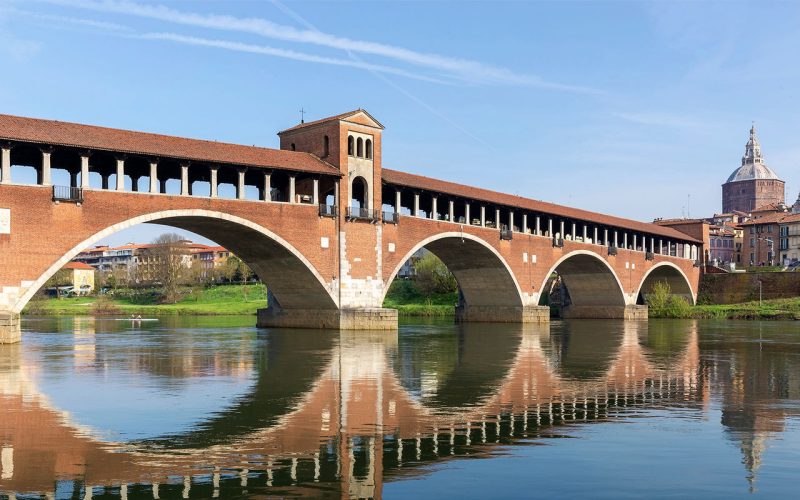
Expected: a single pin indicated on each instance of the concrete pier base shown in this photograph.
(10, 332)
(376, 318)
(604, 312)
(502, 314)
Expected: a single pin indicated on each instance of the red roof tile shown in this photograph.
(331, 118)
(78, 265)
(478, 194)
(124, 141)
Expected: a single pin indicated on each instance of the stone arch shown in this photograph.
(674, 276)
(291, 278)
(359, 192)
(592, 284)
(484, 277)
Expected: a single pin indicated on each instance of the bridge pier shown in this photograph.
(502, 314)
(367, 318)
(10, 331)
(604, 312)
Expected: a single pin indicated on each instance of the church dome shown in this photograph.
(753, 166)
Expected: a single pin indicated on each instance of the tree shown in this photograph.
(237, 269)
(433, 276)
(169, 264)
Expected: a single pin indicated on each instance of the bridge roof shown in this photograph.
(52, 132)
(479, 194)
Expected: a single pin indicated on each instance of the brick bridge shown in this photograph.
(321, 222)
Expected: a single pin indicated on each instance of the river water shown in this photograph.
(212, 407)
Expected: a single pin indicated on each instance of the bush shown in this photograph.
(433, 276)
(662, 304)
(104, 306)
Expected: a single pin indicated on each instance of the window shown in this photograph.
(752, 230)
(325, 146)
(360, 147)
(350, 145)
(293, 147)
(769, 229)
(752, 242)
(369, 149)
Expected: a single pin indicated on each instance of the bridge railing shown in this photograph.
(67, 193)
(328, 210)
(391, 217)
(362, 214)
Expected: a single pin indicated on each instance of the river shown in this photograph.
(214, 408)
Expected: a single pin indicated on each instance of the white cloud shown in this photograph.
(462, 69)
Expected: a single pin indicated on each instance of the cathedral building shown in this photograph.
(753, 184)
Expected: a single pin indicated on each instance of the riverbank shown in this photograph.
(227, 300)
(409, 302)
(776, 309)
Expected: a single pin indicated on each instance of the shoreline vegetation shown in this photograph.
(242, 300)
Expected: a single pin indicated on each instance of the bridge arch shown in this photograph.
(292, 279)
(670, 273)
(483, 275)
(589, 279)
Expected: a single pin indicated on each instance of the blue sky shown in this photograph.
(624, 107)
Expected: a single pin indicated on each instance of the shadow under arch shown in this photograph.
(290, 276)
(590, 282)
(484, 277)
(459, 369)
(672, 275)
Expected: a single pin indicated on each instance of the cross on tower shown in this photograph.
(302, 115)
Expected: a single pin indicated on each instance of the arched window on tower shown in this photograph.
(350, 145)
(360, 147)
(369, 149)
(358, 194)
(325, 146)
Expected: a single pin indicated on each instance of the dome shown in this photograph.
(751, 171)
(753, 166)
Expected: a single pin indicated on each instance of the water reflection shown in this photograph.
(198, 408)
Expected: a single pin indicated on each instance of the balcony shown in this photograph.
(390, 217)
(357, 213)
(328, 211)
(68, 194)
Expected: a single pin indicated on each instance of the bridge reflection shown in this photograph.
(341, 414)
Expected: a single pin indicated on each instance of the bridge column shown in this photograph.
(596, 234)
(73, 179)
(10, 332)
(616, 239)
(292, 179)
(451, 211)
(5, 164)
(510, 220)
(634, 242)
(135, 184)
(185, 189)
(45, 178)
(162, 185)
(120, 173)
(497, 218)
(483, 216)
(538, 226)
(524, 223)
(625, 240)
(397, 201)
(104, 180)
(153, 177)
(550, 227)
(85, 171)
(574, 233)
(212, 181)
(661, 247)
(315, 194)
(466, 213)
(240, 184)
(561, 229)
(434, 213)
(267, 186)
(416, 205)
(585, 233)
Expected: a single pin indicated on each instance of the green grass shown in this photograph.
(224, 300)
(408, 301)
(768, 309)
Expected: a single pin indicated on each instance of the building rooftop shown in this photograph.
(338, 117)
(78, 265)
(35, 130)
(753, 166)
